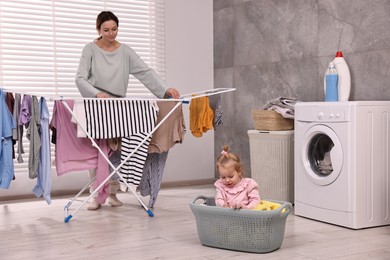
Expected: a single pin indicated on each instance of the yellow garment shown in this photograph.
(201, 116)
(267, 205)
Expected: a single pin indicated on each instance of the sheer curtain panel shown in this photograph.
(41, 43)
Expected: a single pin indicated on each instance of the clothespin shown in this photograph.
(186, 100)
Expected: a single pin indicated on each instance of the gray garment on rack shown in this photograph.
(32, 135)
(152, 176)
(215, 105)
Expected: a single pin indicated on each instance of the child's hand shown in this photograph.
(244, 206)
(236, 205)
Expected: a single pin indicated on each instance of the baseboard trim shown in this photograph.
(176, 184)
(72, 193)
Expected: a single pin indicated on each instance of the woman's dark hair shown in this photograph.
(104, 17)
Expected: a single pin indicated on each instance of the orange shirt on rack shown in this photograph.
(201, 116)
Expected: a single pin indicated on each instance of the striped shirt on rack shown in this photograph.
(107, 118)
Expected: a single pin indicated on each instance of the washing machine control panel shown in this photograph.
(331, 114)
(323, 112)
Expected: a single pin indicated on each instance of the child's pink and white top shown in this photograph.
(244, 194)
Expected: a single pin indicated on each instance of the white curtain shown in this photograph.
(41, 43)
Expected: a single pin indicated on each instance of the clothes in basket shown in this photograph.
(241, 230)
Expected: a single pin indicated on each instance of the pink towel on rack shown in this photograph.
(77, 154)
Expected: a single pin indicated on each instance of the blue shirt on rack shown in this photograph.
(43, 186)
(7, 123)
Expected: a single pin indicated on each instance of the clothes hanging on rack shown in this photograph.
(164, 138)
(184, 99)
(132, 120)
(17, 134)
(215, 105)
(32, 135)
(132, 168)
(71, 153)
(24, 117)
(107, 118)
(77, 154)
(201, 116)
(43, 186)
(10, 100)
(7, 123)
(171, 131)
(37, 133)
(152, 176)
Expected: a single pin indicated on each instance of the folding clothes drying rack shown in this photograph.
(185, 99)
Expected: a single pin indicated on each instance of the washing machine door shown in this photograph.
(322, 155)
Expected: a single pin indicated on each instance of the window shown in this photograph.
(41, 42)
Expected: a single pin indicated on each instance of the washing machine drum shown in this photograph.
(322, 155)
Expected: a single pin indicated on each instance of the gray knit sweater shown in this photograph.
(108, 71)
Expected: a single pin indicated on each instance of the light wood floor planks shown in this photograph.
(31, 229)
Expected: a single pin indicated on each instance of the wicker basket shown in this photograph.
(241, 230)
(270, 120)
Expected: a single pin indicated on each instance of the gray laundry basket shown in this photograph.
(241, 230)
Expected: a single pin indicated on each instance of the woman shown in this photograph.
(103, 72)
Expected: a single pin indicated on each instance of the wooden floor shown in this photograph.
(31, 229)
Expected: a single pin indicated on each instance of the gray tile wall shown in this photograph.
(271, 48)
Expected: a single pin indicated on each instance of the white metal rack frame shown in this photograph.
(185, 99)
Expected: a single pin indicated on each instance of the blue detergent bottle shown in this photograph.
(331, 81)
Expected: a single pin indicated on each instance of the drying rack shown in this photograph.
(185, 99)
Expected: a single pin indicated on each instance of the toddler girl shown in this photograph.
(233, 190)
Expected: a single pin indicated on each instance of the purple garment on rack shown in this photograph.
(17, 134)
(25, 111)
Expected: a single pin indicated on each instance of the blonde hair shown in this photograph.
(228, 157)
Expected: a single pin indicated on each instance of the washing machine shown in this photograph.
(341, 162)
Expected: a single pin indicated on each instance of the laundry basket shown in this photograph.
(241, 230)
(272, 163)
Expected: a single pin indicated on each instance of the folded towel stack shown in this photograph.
(282, 105)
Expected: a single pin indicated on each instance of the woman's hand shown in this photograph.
(173, 93)
(102, 95)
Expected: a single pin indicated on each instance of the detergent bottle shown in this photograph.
(344, 79)
(331, 83)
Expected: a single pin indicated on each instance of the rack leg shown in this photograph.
(67, 206)
(130, 188)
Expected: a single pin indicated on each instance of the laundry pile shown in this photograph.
(282, 105)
